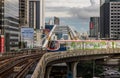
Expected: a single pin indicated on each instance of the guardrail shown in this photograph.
(49, 57)
(22, 52)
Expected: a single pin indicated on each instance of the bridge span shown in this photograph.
(71, 58)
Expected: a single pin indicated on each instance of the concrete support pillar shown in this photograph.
(47, 73)
(72, 69)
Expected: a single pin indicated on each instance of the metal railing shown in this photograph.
(22, 52)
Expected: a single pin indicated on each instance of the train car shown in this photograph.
(83, 44)
(53, 46)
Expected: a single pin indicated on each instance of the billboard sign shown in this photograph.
(27, 32)
(2, 44)
(27, 35)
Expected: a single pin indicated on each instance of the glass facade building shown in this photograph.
(94, 26)
(9, 23)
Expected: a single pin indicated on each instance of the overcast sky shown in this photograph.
(73, 12)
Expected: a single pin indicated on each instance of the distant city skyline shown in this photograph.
(74, 13)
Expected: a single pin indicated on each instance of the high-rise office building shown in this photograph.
(36, 14)
(110, 19)
(23, 4)
(37, 19)
(9, 23)
(94, 27)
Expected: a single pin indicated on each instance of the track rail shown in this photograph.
(22, 73)
(7, 67)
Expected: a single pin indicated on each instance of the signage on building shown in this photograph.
(27, 32)
(91, 25)
(2, 44)
(27, 35)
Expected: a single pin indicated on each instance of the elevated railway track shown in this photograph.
(17, 65)
(71, 56)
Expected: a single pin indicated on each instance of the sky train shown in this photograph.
(64, 45)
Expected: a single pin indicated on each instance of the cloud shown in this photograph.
(92, 2)
(57, 9)
(67, 3)
(86, 12)
(69, 8)
(73, 12)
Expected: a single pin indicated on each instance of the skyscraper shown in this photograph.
(109, 19)
(104, 19)
(9, 23)
(23, 12)
(94, 27)
(36, 14)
